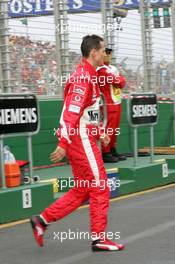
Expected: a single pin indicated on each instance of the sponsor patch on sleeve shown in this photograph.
(74, 108)
(77, 99)
(79, 90)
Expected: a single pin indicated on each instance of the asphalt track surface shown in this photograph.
(146, 224)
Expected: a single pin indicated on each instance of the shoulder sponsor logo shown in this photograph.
(79, 90)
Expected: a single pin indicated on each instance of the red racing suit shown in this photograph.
(80, 114)
(111, 82)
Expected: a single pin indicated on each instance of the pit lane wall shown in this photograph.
(50, 110)
(132, 180)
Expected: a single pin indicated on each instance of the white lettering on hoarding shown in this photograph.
(38, 6)
(30, 6)
(49, 5)
(27, 6)
(77, 4)
(34, 6)
(16, 6)
(18, 116)
(144, 110)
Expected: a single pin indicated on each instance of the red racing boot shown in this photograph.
(39, 228)
(106, 245)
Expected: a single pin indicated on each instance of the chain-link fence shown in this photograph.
(33, 52)
(38, 57)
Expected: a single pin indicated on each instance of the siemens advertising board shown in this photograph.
(18, 114)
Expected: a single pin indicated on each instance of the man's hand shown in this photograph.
(105, 139)
(58, 154)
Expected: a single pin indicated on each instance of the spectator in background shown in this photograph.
(111, 83)
(30, 59)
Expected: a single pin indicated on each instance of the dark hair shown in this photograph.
(90, 42)
(108, 51)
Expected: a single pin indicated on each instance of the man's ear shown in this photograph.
(92, 53)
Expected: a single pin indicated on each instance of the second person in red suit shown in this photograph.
(111, 82)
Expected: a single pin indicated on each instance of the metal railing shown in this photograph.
(5, 71)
